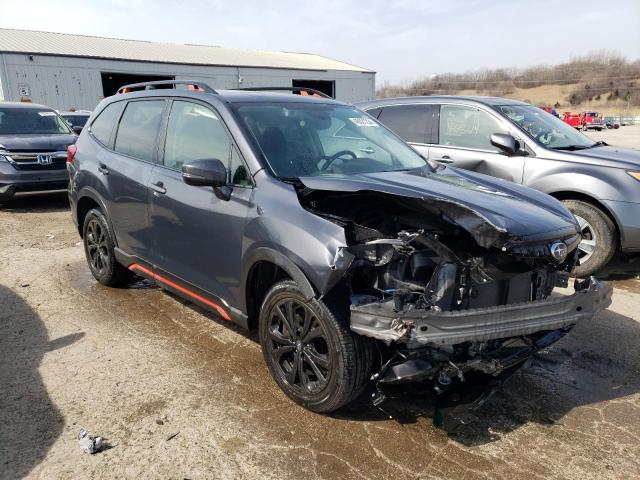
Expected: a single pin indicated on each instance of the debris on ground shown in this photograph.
(173, 435)
(88, 443)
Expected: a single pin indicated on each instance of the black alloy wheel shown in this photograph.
(310, 351)
(97, 247)
(299, 346)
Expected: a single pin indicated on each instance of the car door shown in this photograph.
(126, 170)
(464, 141)
(197, 233)
(416, 123)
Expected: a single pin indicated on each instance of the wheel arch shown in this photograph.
(88, 199)
(573, 195)
(265, 267)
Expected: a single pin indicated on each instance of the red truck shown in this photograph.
(585, 120)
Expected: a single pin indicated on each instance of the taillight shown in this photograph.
(71, 153)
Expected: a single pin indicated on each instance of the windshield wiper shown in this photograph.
(599, 144)
(571, 147)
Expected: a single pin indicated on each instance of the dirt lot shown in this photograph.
(137, 365)
(628, 136)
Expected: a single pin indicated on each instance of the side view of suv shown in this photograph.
(359, 262)
(33, 149)
(524, 144)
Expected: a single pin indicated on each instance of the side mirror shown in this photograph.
(505, 142)
(77, 129)
(205, 173)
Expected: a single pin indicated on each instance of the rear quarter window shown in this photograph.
(104, 124)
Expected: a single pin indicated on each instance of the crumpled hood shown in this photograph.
(608, 156)
(37, 143)
(495, 212)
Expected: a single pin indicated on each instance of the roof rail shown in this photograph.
(193, 85)
(308, 92)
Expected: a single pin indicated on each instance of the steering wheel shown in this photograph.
(332, 158)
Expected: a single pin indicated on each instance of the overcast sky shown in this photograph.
(401, 40)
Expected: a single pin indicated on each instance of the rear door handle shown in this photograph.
(446, 159)
(103, 169)
(158, 187)
(368, 150)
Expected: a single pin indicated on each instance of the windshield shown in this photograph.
(305, 139)
(546, 129)
(24, 121)
(76, 120)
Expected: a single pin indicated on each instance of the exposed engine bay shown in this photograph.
(449, 299)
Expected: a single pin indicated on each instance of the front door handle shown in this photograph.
(103, 169)
(446, 159)
(158, 187)
(368, 150)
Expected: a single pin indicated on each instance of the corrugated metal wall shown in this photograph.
(69, 82)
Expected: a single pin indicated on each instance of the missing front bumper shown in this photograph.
(417, 328)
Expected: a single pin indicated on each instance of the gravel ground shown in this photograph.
(178, 394)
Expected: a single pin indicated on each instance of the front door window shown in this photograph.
(468, 127)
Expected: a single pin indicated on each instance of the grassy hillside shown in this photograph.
(601, 81)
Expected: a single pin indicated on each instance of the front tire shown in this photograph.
(310, 351)
(600, 238)
(99, 251)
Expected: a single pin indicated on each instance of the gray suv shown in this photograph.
(359, 262)
(33, 149)
(524, 144)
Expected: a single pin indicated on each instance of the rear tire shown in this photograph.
(310, 351)
(99, 251)
(600, 238)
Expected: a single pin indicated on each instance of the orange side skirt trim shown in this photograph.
(168, 282)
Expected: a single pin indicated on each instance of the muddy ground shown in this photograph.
(137, 366)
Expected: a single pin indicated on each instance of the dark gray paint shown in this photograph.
(212, 244)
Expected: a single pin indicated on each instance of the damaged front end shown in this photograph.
(453, 298)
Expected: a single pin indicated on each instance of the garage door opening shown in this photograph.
(111, 82)
(325, 86)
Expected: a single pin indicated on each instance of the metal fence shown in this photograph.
(627, 119)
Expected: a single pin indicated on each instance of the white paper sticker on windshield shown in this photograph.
(47, 114)
(363, 122)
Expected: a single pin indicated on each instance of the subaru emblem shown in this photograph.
(44, 160)
(559, 251)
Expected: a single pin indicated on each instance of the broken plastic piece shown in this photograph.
(88, 443)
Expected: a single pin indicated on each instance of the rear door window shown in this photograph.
(104, 125)
(138, 129)
(414, 123)
(468, 127)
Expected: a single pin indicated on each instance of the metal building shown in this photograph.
(74, 71)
